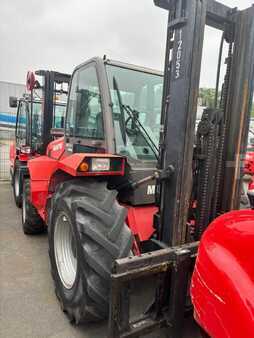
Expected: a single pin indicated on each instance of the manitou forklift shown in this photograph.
(39, 110)
(130, 188)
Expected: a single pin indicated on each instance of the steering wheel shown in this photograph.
(133, 130)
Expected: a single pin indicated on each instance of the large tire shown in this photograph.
(31, 221)
(12, 176)
(17, 185)
(99, 235)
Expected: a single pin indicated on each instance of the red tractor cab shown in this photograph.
(39, 110)
(222, 286)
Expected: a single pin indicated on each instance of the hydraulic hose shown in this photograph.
(219, 71)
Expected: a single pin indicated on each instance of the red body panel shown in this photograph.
(251, 186)
(56, 148)
(140, 221)
(71, 163)
(16, 154)
(12, 153)
(249, 163)
(42, 169)
(24, 157)
(222, 287)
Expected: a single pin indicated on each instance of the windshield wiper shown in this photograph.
(122, 118)
(250, 131)
(133, 115)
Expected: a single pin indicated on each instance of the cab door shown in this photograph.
(85, 124)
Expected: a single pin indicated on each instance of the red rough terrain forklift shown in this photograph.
(248, 184)
(41, 109)
(130, 188)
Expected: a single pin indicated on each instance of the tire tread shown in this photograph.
(33, 224)
(103, 236)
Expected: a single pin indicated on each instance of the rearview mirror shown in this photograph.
(13, 102)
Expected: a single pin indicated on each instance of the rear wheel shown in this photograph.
(17, 186)
(12, 176)
(31, 221)
(87, 232)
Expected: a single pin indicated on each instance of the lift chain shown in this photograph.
(217, 205)
(207, 148)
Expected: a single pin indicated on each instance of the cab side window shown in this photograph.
(85, 117)
(72, 106)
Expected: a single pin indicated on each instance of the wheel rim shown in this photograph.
(16, 185)
(65, 251)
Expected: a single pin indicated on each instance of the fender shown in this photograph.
(43, 168)
(40, 170)
(222, 287)
(140, 221)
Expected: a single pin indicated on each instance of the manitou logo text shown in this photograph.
(57, 147)
(179, 55)
(150, 189)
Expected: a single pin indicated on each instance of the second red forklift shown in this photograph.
(41, 109)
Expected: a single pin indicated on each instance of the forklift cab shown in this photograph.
(28, 133)
(23, 128)
(40, 110)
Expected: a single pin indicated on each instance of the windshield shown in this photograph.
(60, 94)
(58, 119)
(59, 115)
(142, 92)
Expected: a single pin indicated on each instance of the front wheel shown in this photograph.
(87, 232)
(17, 186)
(31, 221)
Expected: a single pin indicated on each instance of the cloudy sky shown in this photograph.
(60, 34)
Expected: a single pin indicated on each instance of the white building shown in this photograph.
(7, 114)
(7, 122)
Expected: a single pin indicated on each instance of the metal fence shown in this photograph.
(7, 123)
(6, 136)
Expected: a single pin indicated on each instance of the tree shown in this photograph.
(207, 96)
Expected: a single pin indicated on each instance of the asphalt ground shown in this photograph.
(28, 305)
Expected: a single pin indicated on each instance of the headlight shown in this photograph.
(100, 164)
(25, 150)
